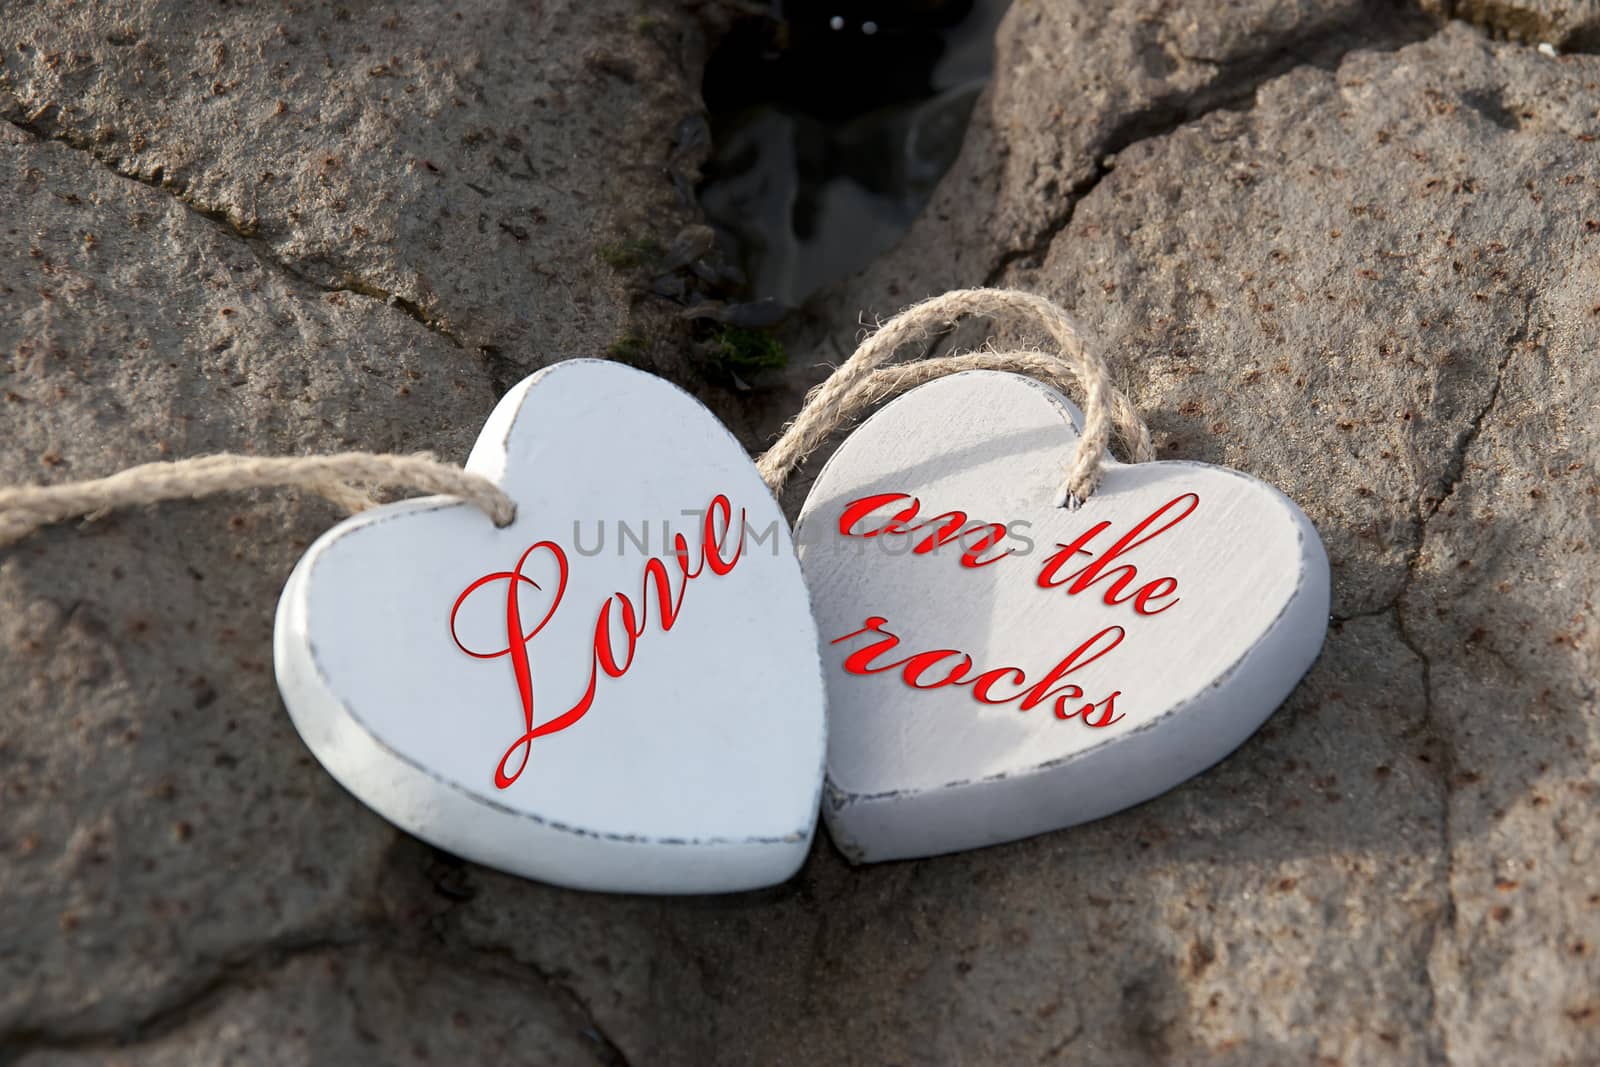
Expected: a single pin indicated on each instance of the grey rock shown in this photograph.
(1374, 287)
(1366, 276)
(481, 165)
(1077, 81)
(1570, 25)
(249, 231)
(1214, 925)
(162, 817)
(1389, 312)
(1502, 605)
(366, 1005)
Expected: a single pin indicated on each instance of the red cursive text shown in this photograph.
(937, 531)
(886, 514)
(609, 655)
(1095, 571)
(948, 666)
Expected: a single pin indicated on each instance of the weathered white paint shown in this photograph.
(916, 772)
(698, 770)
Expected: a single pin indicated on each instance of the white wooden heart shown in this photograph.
(990, 682)
(617, 754)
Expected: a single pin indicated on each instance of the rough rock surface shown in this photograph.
(1373, 285)
(164, 296)
(1352, 253)
(161, 816)
(1570, 25)
(1076, 82)
(376, 151)
(366, 1005)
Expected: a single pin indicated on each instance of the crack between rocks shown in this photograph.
(187, 1003)
(35, 125)
(194, 1002)
(447, 932)
(1455, 468)
(1427, 508)
(1237, 85)
(1065, 1043)
(1374, 613)
(609, 1051)
(1446, 923)
(1454, 472)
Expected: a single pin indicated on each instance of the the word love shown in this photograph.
(721, 545)
(1108, 571)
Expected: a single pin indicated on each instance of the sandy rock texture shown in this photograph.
(1350, 248)
(1077, 82)
(362, 1004)
(1570, 25)
(377, 150)
(1373, 283)
(298, 229)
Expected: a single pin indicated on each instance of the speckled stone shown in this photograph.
(1351, 256)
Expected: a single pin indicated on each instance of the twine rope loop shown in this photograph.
(340, 477)
(862, 380)
(346, 478)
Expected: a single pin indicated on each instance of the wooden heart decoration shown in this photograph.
(618, 691)
(999, 665)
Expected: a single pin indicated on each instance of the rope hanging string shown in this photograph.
(346, 478)
(338, 477)
(859, 382)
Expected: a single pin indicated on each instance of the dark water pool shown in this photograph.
(832, 121)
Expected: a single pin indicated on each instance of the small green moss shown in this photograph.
(630, 254)
(738, 349)
(645, 23)
(630, 348)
